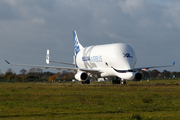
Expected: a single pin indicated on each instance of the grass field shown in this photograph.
(153, 100)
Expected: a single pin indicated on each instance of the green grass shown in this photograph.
(153, 100)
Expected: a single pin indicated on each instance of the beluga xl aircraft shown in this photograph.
(101, 61)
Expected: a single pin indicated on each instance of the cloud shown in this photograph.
(132, 7)
(171, 17)
(39, 20)
(145, 22)
(28, 28)
(6, 12)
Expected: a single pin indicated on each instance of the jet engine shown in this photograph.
(138, 76)
(81, 76)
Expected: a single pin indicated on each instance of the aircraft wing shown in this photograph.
(138, 69)
(90, 70)
(56, 67)
(62, 63)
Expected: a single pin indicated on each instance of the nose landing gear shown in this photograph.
(123, 81)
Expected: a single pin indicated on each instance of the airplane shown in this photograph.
(101, 61)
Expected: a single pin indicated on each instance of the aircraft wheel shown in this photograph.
(123, 81)
(86, 82)
(118, 82)
(115, 81)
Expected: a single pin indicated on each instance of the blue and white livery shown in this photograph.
(101, 61)
(77, 45)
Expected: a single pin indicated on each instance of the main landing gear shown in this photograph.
(86, 82)
(117, 81)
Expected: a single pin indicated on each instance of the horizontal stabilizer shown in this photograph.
(47, 57)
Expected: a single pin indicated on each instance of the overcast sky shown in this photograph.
(29, 27)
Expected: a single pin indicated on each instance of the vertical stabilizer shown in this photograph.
(77, 45)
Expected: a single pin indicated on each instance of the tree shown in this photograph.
(10, 77)
(52, 78)
(47, 74)
(9, 72)
(70, 75)
(176, 74)
(39, 70)
(24, 77)
(166, 74)
(154, 73)
(16, 78)
(32, 70)
(58, 75)
(145, 74)
(64, 73)
(23, 72)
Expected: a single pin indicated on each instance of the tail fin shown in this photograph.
(77, 45)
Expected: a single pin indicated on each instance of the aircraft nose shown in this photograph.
(127, 76)
(130, 75)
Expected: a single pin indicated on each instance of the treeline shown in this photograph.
(155, 74)
(35, 74)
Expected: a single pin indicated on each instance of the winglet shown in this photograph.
(47, 57)
(174, 63)
(8, 62)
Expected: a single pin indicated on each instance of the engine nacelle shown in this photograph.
(138, 76)
(81, 76)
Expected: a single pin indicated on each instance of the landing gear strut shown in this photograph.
(123, 81)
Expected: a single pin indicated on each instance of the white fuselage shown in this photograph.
(101, 61)
(119, 56)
